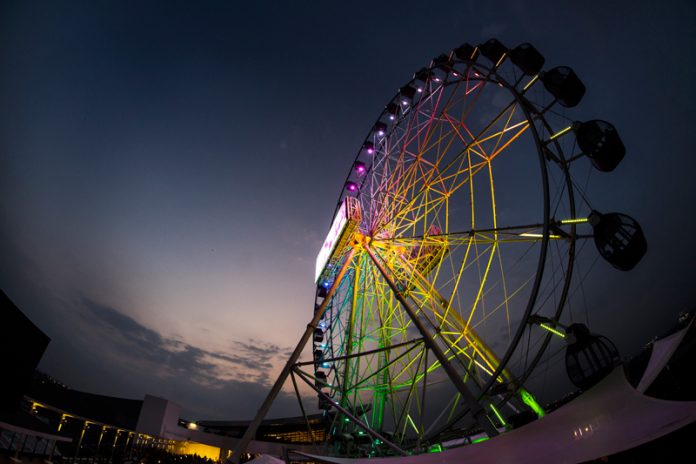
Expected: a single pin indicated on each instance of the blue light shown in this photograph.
(325, 284)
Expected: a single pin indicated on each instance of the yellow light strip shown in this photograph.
(501, 60)
(480, 290)
(552, 330)
(530, 83)
(510, 115)
(531, 235)
(561, 132)
(512, 139)
(575, 221)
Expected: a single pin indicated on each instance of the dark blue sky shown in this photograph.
(169, 169)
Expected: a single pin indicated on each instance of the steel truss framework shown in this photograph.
(428, 326)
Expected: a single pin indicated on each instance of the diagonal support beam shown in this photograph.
(351, 416)
(469, 333)
(282, 377)
(476, 409)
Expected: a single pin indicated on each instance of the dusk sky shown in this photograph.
(168, 170)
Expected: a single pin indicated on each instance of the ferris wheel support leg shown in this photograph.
(282, 377)
(476, 409)
(369, 430)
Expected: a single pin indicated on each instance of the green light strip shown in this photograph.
(498, 415)
(436, 448)
(530, 401)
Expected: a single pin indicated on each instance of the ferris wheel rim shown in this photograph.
(531, 114)
(534, 116)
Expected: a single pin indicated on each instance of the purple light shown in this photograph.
(369, 147)
(351, 186)
(370, 150)
(404, 102)
(392, 110)
(380, 129)
(360, 167)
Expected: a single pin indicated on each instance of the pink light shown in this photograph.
(380, 133)
(370, 151)
(351, 186)
(360, 167)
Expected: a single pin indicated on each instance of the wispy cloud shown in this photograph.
(167, 357)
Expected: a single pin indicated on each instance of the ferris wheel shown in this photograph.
(449, 262)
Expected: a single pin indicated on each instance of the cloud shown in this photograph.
(168, 357)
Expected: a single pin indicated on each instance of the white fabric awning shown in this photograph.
(609, 418)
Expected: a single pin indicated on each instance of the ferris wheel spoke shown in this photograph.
(428, 295)
(449, 175)
(528, 233)
(439, 306)
(424, 136)
(421, 149)
(476, 143)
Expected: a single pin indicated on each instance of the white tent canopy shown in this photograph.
(609, 418)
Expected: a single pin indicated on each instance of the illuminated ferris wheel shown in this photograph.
(449, 262)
